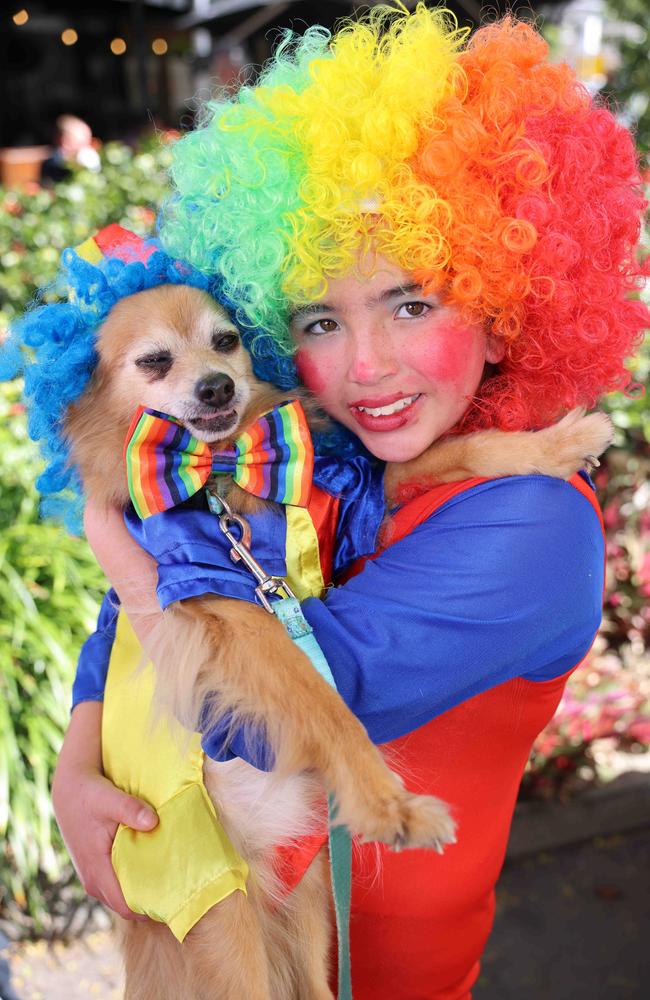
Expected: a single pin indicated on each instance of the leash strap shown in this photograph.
(289, 612)
(287, 609)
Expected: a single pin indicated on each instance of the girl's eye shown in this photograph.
(411, 310)
(322, 326)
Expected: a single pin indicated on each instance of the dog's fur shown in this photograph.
(154, 349)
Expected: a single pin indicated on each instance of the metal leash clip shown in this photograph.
(268, 586)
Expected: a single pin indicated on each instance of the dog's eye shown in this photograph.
(156, 364)
(225, 342)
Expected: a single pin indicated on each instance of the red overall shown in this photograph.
(420, 920)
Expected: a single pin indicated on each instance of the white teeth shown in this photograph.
(385, 411)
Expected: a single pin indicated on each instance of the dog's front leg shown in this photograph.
(560, 450)
(236, 657)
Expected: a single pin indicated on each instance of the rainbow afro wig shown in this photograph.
(487, 173)
(53, 345)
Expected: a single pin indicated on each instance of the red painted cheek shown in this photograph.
(311, 374)
(446, 355)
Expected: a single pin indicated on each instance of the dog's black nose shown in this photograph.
(215, 390)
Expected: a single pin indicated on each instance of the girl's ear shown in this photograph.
(495, 349)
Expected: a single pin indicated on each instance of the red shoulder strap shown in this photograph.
(589, 494)
(419, 509)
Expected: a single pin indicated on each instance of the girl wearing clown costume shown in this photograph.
(444, 233)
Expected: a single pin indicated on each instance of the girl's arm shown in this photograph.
(124, 561)
(505, 580)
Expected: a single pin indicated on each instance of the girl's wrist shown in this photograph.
(82, 744)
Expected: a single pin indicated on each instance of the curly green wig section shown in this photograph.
(279, 189)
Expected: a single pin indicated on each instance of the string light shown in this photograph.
(159, 46)
(21, 17)
(118, 46)
(69, 36)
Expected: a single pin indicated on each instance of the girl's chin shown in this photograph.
(396, 446)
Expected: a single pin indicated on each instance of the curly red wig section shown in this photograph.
(545, 202)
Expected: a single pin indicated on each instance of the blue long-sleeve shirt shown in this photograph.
(503, 580)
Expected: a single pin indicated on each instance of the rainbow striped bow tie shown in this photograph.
(165, 464)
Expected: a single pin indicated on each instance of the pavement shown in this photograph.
(88, 968)
(571, 924)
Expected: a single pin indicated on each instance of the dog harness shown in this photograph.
(178, 871)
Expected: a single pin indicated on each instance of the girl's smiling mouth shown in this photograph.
(384, 414)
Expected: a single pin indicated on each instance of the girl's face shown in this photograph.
(390, 363)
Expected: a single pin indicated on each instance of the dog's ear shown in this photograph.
(95, 430)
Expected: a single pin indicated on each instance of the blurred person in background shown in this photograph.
(74, 146)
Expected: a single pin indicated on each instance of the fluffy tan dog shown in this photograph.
(174, 350)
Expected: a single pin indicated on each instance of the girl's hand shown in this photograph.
(88, 809)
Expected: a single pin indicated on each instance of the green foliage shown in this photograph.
(37, 223)
(50, 586)
(631, 413)
(630, 85)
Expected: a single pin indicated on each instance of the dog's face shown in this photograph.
(175, 350)
(171, 349)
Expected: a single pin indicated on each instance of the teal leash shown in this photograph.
(289, 612)
(340, 845)
(287, 609)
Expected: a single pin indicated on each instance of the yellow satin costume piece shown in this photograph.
(178, 871)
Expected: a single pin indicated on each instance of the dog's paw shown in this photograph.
(573, 444)
(399, 818)
(419, 821)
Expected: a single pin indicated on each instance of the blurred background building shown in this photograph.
(127, 65)
(119, 64)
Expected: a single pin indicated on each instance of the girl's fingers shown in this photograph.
(107, 890)
(107, 807)
(118, 807)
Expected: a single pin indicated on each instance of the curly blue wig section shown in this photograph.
(53, 348)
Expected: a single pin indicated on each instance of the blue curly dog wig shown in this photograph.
(53, 347)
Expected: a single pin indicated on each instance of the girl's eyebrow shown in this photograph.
(310, 309)
(316, 308)
(394, 293)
